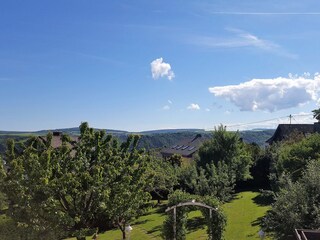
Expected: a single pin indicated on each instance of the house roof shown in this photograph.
(284, 130)
(307, 234)
(185, 147)
(57, 141)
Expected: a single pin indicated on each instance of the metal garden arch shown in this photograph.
(190, 203)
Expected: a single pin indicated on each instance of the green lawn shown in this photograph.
(243, 213)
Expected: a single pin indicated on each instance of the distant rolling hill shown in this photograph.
(173, 131)
(149, 139)
(71, 131)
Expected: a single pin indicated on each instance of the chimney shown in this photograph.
(57, 134)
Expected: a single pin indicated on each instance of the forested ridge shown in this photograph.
(148, 140)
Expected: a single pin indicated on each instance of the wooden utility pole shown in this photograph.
(290, 117)
(174, 223)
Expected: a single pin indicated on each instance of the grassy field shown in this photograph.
(243, 212)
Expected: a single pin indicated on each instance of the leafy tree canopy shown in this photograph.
(297, 204)
(292, 157)
(162, 177)
(221, 161)
(316, 114)
(227, 148)
(76, 187)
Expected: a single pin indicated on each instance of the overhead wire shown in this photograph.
(268, 120)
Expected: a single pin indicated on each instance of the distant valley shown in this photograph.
(149, 139)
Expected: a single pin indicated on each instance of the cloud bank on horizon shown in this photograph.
(159, 69)
(271, 94)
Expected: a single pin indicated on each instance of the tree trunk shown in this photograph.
(123, 234)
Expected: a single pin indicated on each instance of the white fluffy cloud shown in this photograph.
(271, 94)
(193, 106)
(159, 68)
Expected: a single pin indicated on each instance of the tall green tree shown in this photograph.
(260, 168)
(215, 181)
(162, 178)
(175, 160)
(297, 204)
(188, 178)
(3, 202)
(228, 148)
(129, 196)
(222, 160)
(25, 183)
(77, 187)
(316, 114)
(291, 158)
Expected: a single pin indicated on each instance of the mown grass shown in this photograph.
(149, 227)
(244, 213)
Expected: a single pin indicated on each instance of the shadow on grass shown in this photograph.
(250, 235)
(141, 222)
(161, 209)
(263, 200)
(236, 194)
(155, 229)
(195, 224)
(233, 197)
(257, 222)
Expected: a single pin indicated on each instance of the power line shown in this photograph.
(251, 123)
(269, 120)
(291, 116)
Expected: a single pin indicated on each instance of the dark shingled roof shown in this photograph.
(185, 148)
(306, 234)
(284, 130)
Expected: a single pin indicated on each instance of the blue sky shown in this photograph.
(141, 65)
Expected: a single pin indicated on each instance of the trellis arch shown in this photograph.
(189, 203)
